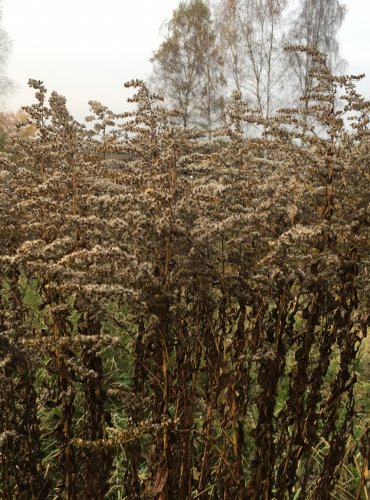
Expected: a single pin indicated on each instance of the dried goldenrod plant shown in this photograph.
(181, 316)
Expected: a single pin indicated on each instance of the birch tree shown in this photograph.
(251, 35)
(315, 23)
(5, 46)
(187, 67)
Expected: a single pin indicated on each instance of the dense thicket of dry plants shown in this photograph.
(180, 318)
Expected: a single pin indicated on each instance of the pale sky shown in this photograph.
(87, 49)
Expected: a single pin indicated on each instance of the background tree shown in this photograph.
(5, 45)
(211, 99)
(315, 23)
(226, 15)
(188, 65)
(251, 37)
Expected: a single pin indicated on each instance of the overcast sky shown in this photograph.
(87, 49)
